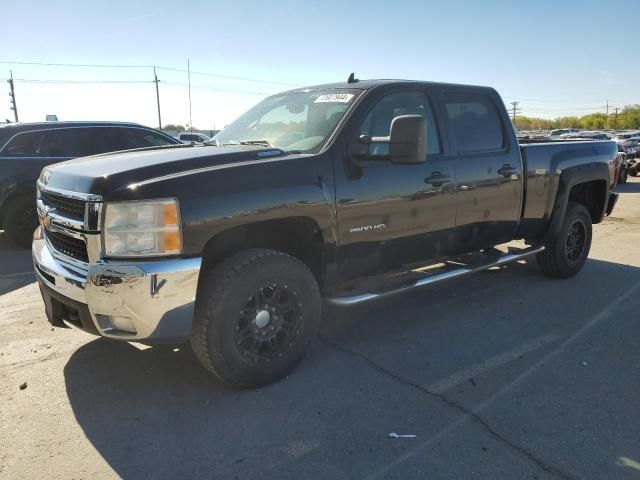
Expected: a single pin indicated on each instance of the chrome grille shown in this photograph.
(69, 207)
(69, 246)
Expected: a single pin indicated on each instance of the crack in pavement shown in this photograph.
(540, 463)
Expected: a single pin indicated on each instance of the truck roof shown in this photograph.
(372, 83)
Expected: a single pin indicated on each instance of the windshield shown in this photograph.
(298, 121)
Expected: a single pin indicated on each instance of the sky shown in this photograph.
(555, 58)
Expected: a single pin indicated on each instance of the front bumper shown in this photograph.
(146, 301)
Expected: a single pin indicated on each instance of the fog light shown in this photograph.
(122, 323)
(110, 322)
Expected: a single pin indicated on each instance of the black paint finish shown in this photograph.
(371, 216)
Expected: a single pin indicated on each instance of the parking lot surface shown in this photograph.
(505, 374)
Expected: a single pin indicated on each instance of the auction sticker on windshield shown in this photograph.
(334, 98)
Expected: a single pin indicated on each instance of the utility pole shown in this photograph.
(514, 109)
(156, 81)
(615, 119)
(189, 81)
(606, 116)
(12, 94)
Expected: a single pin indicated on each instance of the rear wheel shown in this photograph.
(622, 178)
(566, 252)
(21, 219)
(256, 314)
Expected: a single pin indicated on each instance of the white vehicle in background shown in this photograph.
(193, 137)
(622, 137)
(563, 131)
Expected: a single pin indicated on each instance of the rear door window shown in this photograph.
(474, 123)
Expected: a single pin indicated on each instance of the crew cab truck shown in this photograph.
(344, 193)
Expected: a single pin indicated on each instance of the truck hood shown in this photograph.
(103, 174)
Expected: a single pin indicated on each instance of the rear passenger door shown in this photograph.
(488, 170)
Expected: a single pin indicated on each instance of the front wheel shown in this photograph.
(566, 252)
(256, 314)
(21, 219)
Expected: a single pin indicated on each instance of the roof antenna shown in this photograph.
(352, 78)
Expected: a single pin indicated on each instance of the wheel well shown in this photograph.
(13, 197)
(592, 195)
(300, 237)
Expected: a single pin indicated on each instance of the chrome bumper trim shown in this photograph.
(128, 300)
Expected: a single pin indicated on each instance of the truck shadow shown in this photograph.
(632, 186)
(16, 268)
(156, 413)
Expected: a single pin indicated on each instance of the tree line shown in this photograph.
(628, 118)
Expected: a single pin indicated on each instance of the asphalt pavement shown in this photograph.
(502, 375)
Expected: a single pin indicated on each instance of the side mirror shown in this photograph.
(407, 141)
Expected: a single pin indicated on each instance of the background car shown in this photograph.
(621, 137)
(190, 137)
(562, 131)
(632, 147)
(26, 148)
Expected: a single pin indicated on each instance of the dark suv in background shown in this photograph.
(25, 148)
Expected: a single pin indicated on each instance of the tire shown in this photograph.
(566, 252)
(239, 340)
(622, 178)
(21, 219)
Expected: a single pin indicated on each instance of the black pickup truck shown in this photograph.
(346, 193)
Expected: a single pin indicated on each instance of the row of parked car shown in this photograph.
(628, 145)
(26, 148)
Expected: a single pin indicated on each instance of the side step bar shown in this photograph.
(458, 271)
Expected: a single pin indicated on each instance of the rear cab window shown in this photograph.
(474, 123)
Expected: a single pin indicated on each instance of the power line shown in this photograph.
(62, 81)
(229, 77)
(171, 69)
(557, 101)
(217, 89)
(88, 65)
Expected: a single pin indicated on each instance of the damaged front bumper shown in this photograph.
(147, 301)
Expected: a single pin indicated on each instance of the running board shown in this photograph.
(451, 270)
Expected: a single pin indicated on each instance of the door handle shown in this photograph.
(437, 179)
(507, 170)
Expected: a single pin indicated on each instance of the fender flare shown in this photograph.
(569, 178)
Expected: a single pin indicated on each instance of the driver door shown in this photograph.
(391, 215)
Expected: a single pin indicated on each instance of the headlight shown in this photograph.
(138, 228)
